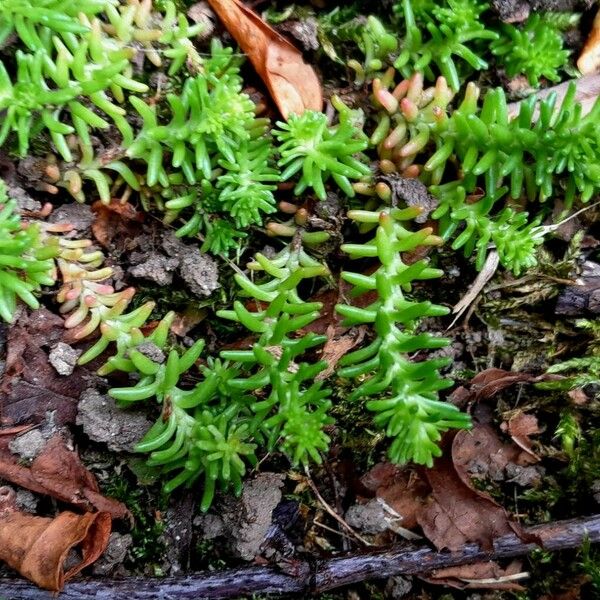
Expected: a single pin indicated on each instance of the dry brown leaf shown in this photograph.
(114, 219)
(292, 83)
(339, 342)
(490, 382)
(589, 59)
(456, 513)
(37, 547)
(184, 322)
(405, 495)
(30, 386)
(58, 472)
(483, 575)
(482, 453)
(520, 426)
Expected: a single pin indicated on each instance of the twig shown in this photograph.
(325, 575)
(332, 512)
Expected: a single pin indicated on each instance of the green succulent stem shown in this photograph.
(403, 393)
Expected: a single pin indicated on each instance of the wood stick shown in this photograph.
(320, 576)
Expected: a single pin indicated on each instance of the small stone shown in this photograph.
(28, 445)
(103, 422)
(411, 192)
(154, 267)
(27, 501)
(152, 351)
(199, 271)
(367, 518)
(525, 476)
(80, 216)
(305, 31)
(243, 523)
(114, 555)
(260, 497)
(511, 11)
(63, 358)
(211, 525)
(22, 198)
(398, 587)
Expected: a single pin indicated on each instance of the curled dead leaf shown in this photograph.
(292, 83)
(490, 382)
(456, 513)
(38, 547)
(58, 472)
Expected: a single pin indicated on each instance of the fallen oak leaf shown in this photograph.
(482, 453)
(292, 83)
(456, 512)
(38, 547)
(58, 472)
(589, 59)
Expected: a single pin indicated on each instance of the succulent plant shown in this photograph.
(403, 393)
(85, 296)
(319, 152)
(534, 50)
(32, 20)
(437, 34)
(26, 258)
(532, 156)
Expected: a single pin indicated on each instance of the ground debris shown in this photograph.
(31, 388)
(103, 422)
(114, 555)
(64, 358)
(243, 523)
(58, 472)
(38, 547)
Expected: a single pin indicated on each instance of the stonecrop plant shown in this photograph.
(527, 157)
(440, 34)
(26, 259)
(534, 50)
(120, 100)
(219, 149)
(318, 152)
(30, 19)
(402, 392)
(265, 397)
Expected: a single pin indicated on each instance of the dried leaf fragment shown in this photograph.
(589, 59)
(481, 575)
(457, 514)
(37, 547)
(292, 83)
(520, 426)
(58, 472)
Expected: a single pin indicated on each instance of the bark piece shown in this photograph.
(325, 575)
